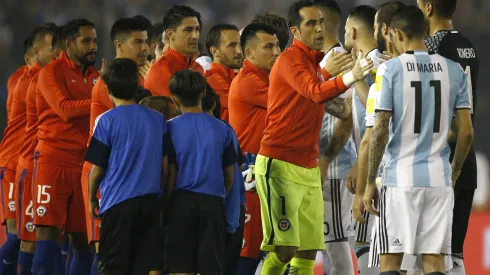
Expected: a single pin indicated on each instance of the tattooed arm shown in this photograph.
(340, 107)
(377, 146)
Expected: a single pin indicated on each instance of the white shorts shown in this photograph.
(416, 220)
(337, 202)
(363, 230)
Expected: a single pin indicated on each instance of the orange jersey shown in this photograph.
(248, 106)
(219, 78)
(11, 83)
(295, 106)
(101, 101)
(160, 73)
(63, 108)
(30, 141)
(15, 131)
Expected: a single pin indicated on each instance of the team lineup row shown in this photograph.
(286, 108)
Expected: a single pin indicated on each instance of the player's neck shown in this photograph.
(79, 65)
(122, 102)
(366, 46)
(415, 45)
(438, 24)
(329, 42)
(186, 55)
(191, 109)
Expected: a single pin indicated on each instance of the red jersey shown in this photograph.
(63, 108)
(248, 106)
(15, 131)
(11, 83)
(160, 73)
(219, 78)
(295, 106)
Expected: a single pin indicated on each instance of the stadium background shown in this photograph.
(472, 18)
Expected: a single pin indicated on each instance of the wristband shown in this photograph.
(348, 79)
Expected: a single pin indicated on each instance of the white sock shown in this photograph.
(362, 253)
(339, 258)
(259, 268)
(458, 266)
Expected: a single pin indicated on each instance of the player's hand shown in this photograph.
(338, 62)
(371, 197)
(104, 66)
(94, 208)
(455, 175)
(352, 179)
(323, 165)
(361, 67)
(358, 208)
(143, 70)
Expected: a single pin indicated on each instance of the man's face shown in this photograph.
(312, 28)
(44, 51)
(85, 46)
(378, 35)
(263, 51)
(134, 46)
(185, 37)
(349, 39)
(229, 51)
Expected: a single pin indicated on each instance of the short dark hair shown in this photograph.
(146, 24)
(365, 13)
(72, 28)
(330, 5)
(278, 23)
(28, 44)
(41, 31)
(58, 39)
(141, 93)
(210, 100)
(251, 30)
(125, 26)
(121, 78)
(157, 30)
(443, 8)
(410, 20)
(161, 104)
(188, 86)
(173, 17)
(294, 18)
(214, 35)
(387, 10)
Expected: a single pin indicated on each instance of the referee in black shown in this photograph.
(449, 43)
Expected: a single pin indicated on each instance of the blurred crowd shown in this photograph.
(18, 17)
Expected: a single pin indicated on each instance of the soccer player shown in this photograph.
(160, 40)
(201, 174)
(9, 156)
(419, 93)
(63, 107)
(182, 26)
(359, 37)
(24, 103)
(130, 40)
(14, 78)
(130, 239)
(223, 44)
(280, 25)
(287, 174)
(448, 42)
(248, 109)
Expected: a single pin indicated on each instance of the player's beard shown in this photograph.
(381, 41)
(83, 59)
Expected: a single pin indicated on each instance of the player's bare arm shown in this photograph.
(340, 108)
(96, 175)
(377, 146)
(228, 176)
(465, 140)
(362, 91)
(453, 131)
(362, 162)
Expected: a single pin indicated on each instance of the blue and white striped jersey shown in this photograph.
(421, 91)
(358, 110)
(341, 165)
